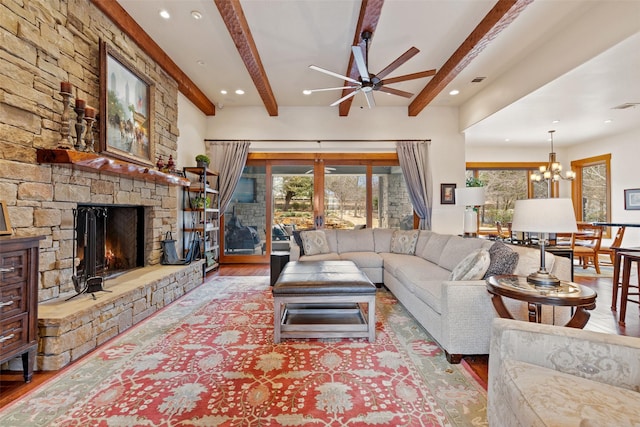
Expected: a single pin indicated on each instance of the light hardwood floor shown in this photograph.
(602, 320)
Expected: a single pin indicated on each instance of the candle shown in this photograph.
(90, 112)
(65, 87)
(81, 103)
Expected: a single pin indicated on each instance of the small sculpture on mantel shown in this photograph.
(171, 165)
(160, 163)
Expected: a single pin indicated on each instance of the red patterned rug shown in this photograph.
(209, 360)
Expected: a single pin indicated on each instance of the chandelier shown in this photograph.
(553, 170)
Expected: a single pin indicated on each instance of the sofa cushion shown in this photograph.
(433, 249)
(363, 259)
(331, 256)
(543, 396)
(332, 239)
(456, 249)
(423, 238)
(355, 240)
(404, 241)
(529, 260)
(503, 260)
(472, 267)
(382, 239)
(314, 242)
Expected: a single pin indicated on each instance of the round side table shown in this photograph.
(568, 294)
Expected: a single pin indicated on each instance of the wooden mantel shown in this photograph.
(96, 163)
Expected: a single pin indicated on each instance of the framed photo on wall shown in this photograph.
(5, 225)
(632, 199)
(447, 194)
(127, 109)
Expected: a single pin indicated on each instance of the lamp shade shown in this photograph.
(544, 216)
(470, 196)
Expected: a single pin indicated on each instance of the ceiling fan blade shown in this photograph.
(333, 88)
(406, 77)
(331, 73)
(396, 92)
(344, 98)
(371, 102)
(398, 62)
(358, 55)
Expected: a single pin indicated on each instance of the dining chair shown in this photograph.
(617, 243)
(586, 244)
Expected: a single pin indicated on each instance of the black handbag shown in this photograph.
(169, 254)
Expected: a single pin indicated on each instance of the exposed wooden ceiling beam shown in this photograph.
(368, 20)
(126, 23)
(233, 16)
(503, 13)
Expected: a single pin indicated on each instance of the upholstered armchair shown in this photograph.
(544, 375)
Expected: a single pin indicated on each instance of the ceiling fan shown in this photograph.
(369, 82)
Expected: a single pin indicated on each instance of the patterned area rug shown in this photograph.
(209, 360)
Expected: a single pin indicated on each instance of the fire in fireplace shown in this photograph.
(109, 240)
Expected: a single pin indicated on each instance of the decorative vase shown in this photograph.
(202, 164)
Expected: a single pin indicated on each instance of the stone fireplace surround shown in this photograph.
(70, 329)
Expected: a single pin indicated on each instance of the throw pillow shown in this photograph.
(298, 239)
(472, 267)
(404, 241)
(503, 260)
(315, 242)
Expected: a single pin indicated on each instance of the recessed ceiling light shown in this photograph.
(454, 92)
(608, 121)
(196, 15)
(224, 92)
(239, 92)
(306, 92)
(200, 62)
(165, 14)
(556, 121)
(507, 140)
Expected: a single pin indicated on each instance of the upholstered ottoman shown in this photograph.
(324, 299)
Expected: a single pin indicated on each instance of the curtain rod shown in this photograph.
(317, 140)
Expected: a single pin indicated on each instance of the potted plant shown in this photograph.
(202, 161)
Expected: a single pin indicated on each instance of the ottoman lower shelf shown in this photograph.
(323, 320)
(301, 318)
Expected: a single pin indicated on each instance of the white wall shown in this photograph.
(439, 124)
(192, 124)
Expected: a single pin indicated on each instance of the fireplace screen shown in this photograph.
(109, 240)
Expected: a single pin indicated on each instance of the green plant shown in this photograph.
(201, 202)
(472, 181)
(202, 158)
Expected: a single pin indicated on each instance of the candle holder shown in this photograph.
(80, 127)
(88, 136)
(65, 122)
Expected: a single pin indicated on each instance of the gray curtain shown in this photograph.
(414, 161)
(227, 158)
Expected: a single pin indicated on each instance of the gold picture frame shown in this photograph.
(127, 109)
(5, 224)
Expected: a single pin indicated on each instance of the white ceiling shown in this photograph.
(549, 64)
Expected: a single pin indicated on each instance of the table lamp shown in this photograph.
(544, 216)
(471, 197)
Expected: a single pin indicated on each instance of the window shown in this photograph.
(592, 188)
(505, 183)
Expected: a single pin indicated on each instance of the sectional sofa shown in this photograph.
(417, 267)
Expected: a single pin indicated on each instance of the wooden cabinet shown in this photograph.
(19, 300)
(201, 214)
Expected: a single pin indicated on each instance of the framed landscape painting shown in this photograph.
(126, 106)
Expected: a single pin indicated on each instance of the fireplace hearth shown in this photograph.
(109, 241)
